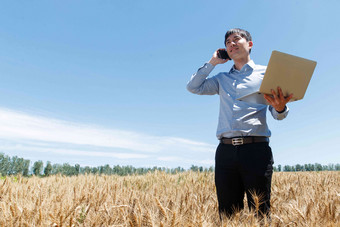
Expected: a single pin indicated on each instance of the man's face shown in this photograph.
(237, 46)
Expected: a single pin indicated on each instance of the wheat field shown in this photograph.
(160, 199)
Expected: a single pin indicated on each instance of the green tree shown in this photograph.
(26, 168)
(69, 170)
(331, 167)
(309, 167)
(306, 167)
(4, 164)
(117, 170)
(94, 170)
(57, 169)
(77, 169)
(337, 167)
(13, 167)
(87, 170)
(194, 168)
(37, 167)
(16, 165)
(48, 169)
(298, 167)
(318, 167)
(287, 168)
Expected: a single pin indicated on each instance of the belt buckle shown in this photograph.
(237, 141)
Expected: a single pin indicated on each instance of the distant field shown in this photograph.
(159, 199)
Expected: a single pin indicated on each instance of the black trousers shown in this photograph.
(243, 169)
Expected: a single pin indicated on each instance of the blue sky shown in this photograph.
(104, 82)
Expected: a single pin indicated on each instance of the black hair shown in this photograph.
(243, 33)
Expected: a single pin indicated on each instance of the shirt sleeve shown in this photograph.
(199, 84)
(279, 116)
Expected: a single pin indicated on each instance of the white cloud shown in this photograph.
(29, 147)
(45, 134)
(169, 158)
(207, 162)
(188, 162)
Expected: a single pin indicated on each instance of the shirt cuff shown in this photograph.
(279, 116)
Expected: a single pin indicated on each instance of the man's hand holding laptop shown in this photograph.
(278, 101)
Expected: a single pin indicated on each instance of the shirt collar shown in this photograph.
(246, 67)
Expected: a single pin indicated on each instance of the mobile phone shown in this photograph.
(223, 54)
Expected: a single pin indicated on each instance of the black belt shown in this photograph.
(244, 140)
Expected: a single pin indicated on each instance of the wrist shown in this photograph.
(213, 61)
(281, 111)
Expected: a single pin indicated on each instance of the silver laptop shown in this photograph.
(289, 72)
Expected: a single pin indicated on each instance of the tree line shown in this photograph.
(15, 165)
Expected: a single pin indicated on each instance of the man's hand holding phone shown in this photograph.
(220, 57)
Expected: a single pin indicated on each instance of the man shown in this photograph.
(243, 161)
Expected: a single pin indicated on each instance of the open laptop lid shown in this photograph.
(289, 72)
